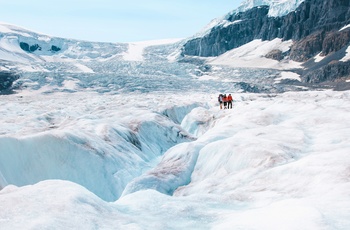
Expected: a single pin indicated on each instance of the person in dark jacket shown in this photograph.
(220, 100)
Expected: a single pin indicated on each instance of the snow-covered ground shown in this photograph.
(277, 7)
(175, 161)
(252, 55)
(136, 49)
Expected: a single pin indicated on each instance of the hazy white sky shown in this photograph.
(115, 20)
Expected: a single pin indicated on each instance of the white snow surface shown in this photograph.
(253, 55)
(288, 75)
(136, 49)
(277, 7)
(100, 161)
(318, 57)
(345, 27)
(347, 56)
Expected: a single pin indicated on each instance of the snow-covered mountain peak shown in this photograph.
(277, 7)
(13, 29)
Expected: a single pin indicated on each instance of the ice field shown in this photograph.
(133, 139)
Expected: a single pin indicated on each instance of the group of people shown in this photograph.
(226, 100)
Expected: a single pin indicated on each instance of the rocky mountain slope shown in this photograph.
(316, 27)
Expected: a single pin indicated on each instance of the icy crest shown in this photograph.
(277, 7)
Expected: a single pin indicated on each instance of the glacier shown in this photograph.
(278, 8)
(97, 161)
(126, 136)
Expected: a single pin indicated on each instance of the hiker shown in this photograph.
(220, 100)
(229, 101)
(224, 99)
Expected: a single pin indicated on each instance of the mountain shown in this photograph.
(318, 28)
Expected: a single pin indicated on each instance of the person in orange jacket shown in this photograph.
(229, 101)
(225, 100)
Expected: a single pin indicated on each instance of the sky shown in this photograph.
(115, 20)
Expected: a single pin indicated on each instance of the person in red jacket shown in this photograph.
(225, 100)
(229, 101)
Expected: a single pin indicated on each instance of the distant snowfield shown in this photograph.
(345, 27)
(277, 8)
(347, 56)
(137, 161)
(252, 55)
(318, 57)
(288, 75)
(83, 68)
(135, 51)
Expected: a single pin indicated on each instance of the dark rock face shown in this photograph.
(330, 72)
(55, 48)
(307, 47)
(315, 15)
(29, 48)
(275, 54)
(32, 48)
(315, 18)
(6, 80)
(335, 41)
(316, 24)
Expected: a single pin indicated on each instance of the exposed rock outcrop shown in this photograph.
(275, 54)
(6, 80)
(335, 41)
(333, 71)
(29, 48)
(32, 48)
(55, 48)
